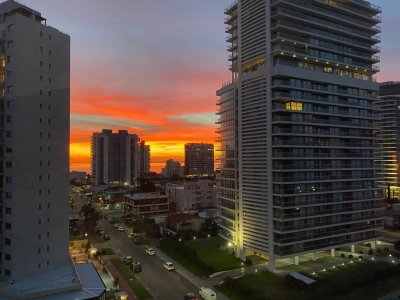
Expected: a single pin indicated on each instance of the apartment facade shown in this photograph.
(145, 205)
(34, 126)
(199, 159)
(118, 158)
(388, 131)
(191, 196)
(297, 127)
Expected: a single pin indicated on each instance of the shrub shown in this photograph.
(379, 251)
(360, 252)
(397, 245)
(248, 262)
(350, 255)
(370, 252)
(342, 255)
(386, 249)
(369, 245)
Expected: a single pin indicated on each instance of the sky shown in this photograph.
(153, 66)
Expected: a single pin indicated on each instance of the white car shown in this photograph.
(168, 266)
(150, 251)
(120, 228)
(116, 225)
(128, 259)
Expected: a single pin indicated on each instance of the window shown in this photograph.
(40, 206)
(48, 163)
(41, 77)
(41, 33)
(49, 107)
(9, 59)
(49, 93)
(40, 192)
(48, 121)
(39, 250)
(49, 52)
(48, 219)
(8, 119)
(41, 134)
(49, 135)
(40, 92)
(8, 164)
(39, 265)
(48, 234)
(48, 177)
(7, 242)
(40, 105)
(10, 44)
(49, 149)
(48, 263)
(48, 248)
(10, 89)
(8, 225)
(48, 205)
(40, 221)
(49, 37)
(40, 149)
(40, 120)
(9, 150)
(7, 256)
(49, 79)
(48, 191)
(8, 179)
(40, 163)
(49, 66)
(7, 272)
(10, 27)
(8, 195)
(39, 236)
(8, 133)
(294, 105)
(41, 49)
(8, 210)
(41, 63)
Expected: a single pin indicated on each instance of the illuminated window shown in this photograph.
(294, 105)
(328, 70)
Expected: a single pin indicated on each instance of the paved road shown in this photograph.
(162, 284)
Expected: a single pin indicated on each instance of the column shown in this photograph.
(353, 248)
(333, 254)
(373, 245)
(296, 260)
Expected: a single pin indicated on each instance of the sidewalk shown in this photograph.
(123, 285)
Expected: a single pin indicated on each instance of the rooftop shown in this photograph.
(181, 218)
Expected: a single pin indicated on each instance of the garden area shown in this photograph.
(201, 256)
(139, 290)
(353, 281)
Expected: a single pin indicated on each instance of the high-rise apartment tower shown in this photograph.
(297, 127)
(199, 159)
(118, 158)
(388, 105)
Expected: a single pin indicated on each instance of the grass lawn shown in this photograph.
(361, 280)
(139, 290)
(209, 258)
(107, 251)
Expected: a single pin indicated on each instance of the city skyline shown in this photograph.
(185, 49)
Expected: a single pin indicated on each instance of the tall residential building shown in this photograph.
(388, 105)
(118, 158)
(144, 158)
(199, 159)
(297, 127)
(34, 104)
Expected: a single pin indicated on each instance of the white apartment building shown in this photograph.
(34, 104)
(297, 127)
(191, 196)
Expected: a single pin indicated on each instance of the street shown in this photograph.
(162, 284)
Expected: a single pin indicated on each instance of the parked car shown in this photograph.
(120, 228)
(150, 251)
(131, 235)
(106, 237)
(207, 294)
(190, 296)
(136, 267)
(168, 266)
(137, 241)
(116, 225)
(128, 260)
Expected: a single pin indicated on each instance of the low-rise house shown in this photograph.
(145, 205)
(180, 222)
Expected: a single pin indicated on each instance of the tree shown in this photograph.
(146, 185)
(91, 215)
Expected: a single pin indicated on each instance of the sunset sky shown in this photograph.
(153, 66)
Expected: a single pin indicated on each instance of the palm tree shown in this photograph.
(92, 216)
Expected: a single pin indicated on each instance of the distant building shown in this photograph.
(388, 105)
(190, 196)
(118, 158)
(144, 158)
(172, 169)
(145, 205)
(199, 159)
(78, 176)
(181, 222)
